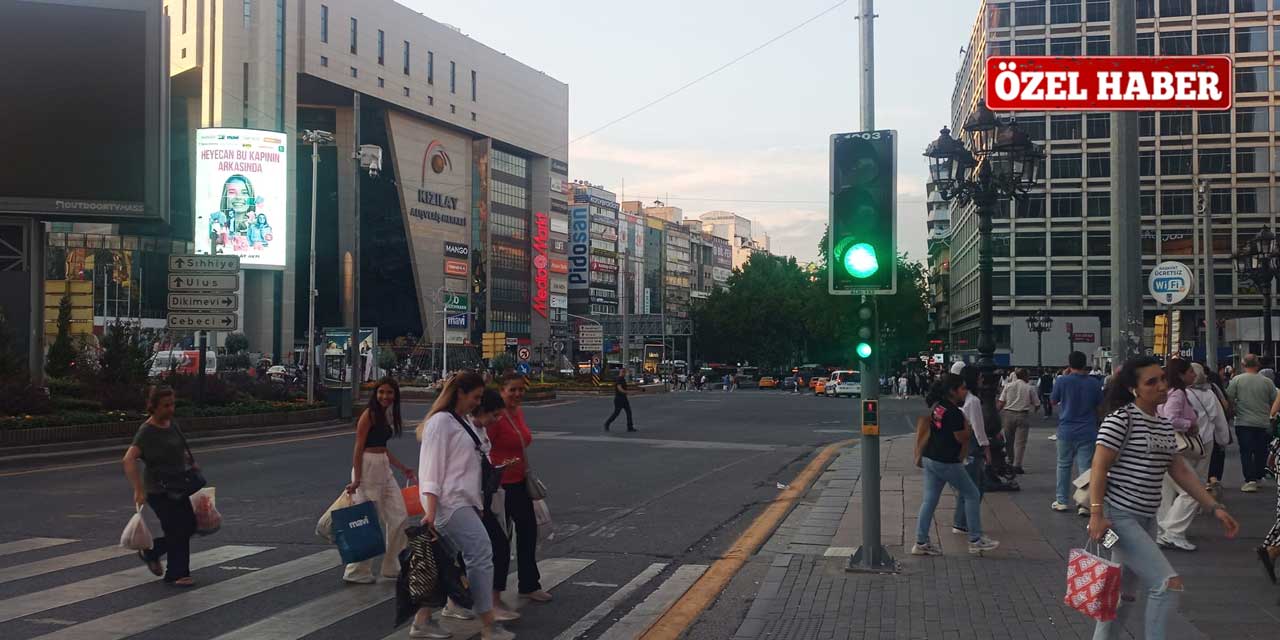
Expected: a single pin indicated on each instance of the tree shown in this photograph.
(12, 365)
(502, 362)
(237, 343)
(62, 355)
(759, 317)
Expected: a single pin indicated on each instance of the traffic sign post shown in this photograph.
(522, 354)
(203, 297)
(196, 321)
(204, 302)
(1170, 283)
(204, 282)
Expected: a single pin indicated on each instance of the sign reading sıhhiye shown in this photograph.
(241, 195)
(1171, 282)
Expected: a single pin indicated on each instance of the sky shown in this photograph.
(753, 137)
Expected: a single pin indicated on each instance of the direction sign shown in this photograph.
(204, 264)
(201, 282)
(522, 368)
(522, 353)
(203, 302)
(1171, 282)
(203, 321)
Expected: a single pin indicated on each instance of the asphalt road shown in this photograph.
(636, 516)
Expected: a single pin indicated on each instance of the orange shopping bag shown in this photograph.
(412, 500)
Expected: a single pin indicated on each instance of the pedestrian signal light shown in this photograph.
(861, 235)
(866, 319)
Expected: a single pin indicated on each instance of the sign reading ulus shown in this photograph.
(1108, 83)
(1171, 282)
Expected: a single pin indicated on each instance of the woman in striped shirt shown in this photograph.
(1134, 451)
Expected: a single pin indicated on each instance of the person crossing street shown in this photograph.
(620, 403)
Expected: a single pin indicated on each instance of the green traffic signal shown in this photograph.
(864, 350)
(861, 233)
(860, 260)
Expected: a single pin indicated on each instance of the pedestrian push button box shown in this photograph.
(870, 417)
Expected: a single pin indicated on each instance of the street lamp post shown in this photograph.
(1040, 323)
(1000, 163)
(316, 138)
(1259, 262)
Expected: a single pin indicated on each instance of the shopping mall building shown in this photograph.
(468, 199)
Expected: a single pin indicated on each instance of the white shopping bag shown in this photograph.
(136, 535)
(542, 516)
(204, 503)
(324, 526)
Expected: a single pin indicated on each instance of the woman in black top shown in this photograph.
(159, 444)
(620, 403)
(372, 479)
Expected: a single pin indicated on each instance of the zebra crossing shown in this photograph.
(69, 578)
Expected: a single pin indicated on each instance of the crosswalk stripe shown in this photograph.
(58, 563)
(39, 601)
(603, 609)
(31, 544)
(123, 624)
(554, 571)
(650, 609)
(315, 615)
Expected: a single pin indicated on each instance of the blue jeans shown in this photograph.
(973, 466)
(1078, 451)
(937, 474)
(1253, 451)
(1143, 562)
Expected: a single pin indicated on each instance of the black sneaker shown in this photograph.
(1019, 471)
(606, 426)
(632, 429)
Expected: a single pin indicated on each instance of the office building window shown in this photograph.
(431, 100)
(1029, 245)
(324, 21)
(355, 73)
(1031, 47)
(1147, 163)
(1146, 44)
(247, 8)
(324, 61)
(1000, 284)
(1146, 124)
(1253, 200)
(1098, 164)
(1251, 79)
(1029, 13)
(1097, 11)
(1098, 204)
(1000, 245)
(1215, 122)
(382, 47)
(1064, 11)
(1097, 45)
(1212, 41)
(1033, 126)
(1251, 39)
(381, 82)
(1067, 283)
(407, 57)
(406, 93)
(1207, 7)
(1066, 244)
(1064, 165)
(1175, 162)
(1175, 43)
(1064, 46)
(1220, 201)
(1145, 9)
(1250, 6)
(1029, 283)
(1031, 206)
(473, 86)
(1147, 203)
(1175, 8)
(1251, 119)
(1099, 283)
(1099, 243)
(1253, 160)
(1215, 161)
(998, 15)
(355, 39)
(431, 67)
(1001, 48)
(453, 77)
(1065, 205)
(1065, 127)
(1097, 125)
(1176, 202)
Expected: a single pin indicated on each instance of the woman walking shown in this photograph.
(372, 478)
(1135, 448)
(1269, 550)
(942, 439)
(160, 444)
(449, 465)
(511, 438)
(622, 403)
(1177, 507)
(490, 410)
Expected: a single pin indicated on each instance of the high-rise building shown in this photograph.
(1052, 250)
(678, 270)
(599, 296)
(738, 231)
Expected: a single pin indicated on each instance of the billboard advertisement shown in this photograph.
(242, 195)
(579, 246)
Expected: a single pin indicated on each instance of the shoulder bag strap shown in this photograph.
(506, 415)
(183, 437)
(467, 428)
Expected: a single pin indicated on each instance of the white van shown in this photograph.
(845, 383)
(182, 362)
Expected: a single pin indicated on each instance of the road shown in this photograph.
(637, 518)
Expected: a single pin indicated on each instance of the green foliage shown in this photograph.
(387, 359)
(124, 355)
(502, 362)
(62, 354)
(237, 343)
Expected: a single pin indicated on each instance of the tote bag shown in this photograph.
(357, 532)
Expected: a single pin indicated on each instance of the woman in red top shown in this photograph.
(510, 436)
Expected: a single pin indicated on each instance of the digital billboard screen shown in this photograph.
(83, 119)
(242, 195)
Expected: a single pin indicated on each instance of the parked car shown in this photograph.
(789, 383)
(819, 386)
(845, 383)
(768, 383)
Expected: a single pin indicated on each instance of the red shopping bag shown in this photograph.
(412, 500)
(1093, 585)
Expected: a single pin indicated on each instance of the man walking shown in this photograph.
(1252, 394)
(1017, 400)
(1046, 389)
(1078, 397)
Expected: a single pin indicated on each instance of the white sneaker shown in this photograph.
(497, 633)
(361, 580)
(1082, 511)
(983, 544)
(1175, 542)
(503, 614)
(452, 610)
(958, 530)
(1249, 487)
(1059, 506)
(429, 630)
(1053, 437)
(926, 549)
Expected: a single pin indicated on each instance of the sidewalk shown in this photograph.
(1014, 592)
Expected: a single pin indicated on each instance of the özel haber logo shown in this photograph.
(437, 158)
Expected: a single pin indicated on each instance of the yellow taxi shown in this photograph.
(820, 386)
(768, 383)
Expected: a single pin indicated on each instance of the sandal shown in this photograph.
(153, 565)
(183, 582)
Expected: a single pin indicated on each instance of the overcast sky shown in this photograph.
(751, 138)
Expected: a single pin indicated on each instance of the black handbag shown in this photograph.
(490, 476)
(185, 483)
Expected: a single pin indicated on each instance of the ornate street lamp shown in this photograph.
(1040, 323)
(1000, 163)
(1259, 262)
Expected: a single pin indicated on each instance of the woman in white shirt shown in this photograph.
(449, 473)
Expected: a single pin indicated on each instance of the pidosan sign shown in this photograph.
(1171, 282)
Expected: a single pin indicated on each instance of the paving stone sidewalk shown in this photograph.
(1014, 592)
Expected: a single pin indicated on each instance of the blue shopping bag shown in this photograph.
(357, 532)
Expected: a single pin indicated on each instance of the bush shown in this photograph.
(72, 403)
(62, 355)
(117, 396)
(216, 390)
(502, 363)
(20, 398)
(66, 388)
(237, 343)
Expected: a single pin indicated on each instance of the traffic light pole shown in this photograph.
(871, 556)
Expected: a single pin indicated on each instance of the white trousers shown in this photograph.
(378, 484)
(1177, 507)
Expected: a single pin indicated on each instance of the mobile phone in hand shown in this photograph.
(1110, 538)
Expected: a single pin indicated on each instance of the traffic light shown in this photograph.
(866, 334)
(862, 235)
(1159, 346)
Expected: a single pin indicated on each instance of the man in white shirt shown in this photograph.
(1017, 400)
(978, 456)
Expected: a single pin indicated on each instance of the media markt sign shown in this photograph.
(1171, 282)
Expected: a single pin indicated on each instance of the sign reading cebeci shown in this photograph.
(204, 321)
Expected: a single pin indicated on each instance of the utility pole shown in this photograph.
(1126, 219)
(1210, 308)
(871, 556)
(315, 138)
(354, 343)
(626, 314)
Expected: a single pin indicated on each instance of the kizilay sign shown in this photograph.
(541, 231)
(579, 247)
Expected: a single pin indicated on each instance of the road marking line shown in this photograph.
(609, 585)
(152, 615)
(39, 601)
(31, 544)
(49, 565)
(676, 620)
(633, 624)
(594, 616)
(670, 444)
(315, 615)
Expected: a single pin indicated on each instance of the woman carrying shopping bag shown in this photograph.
(455, 473)
(1136, 447)
(167, 486)
(511, 438)
(1177, 507)
(373, 480)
